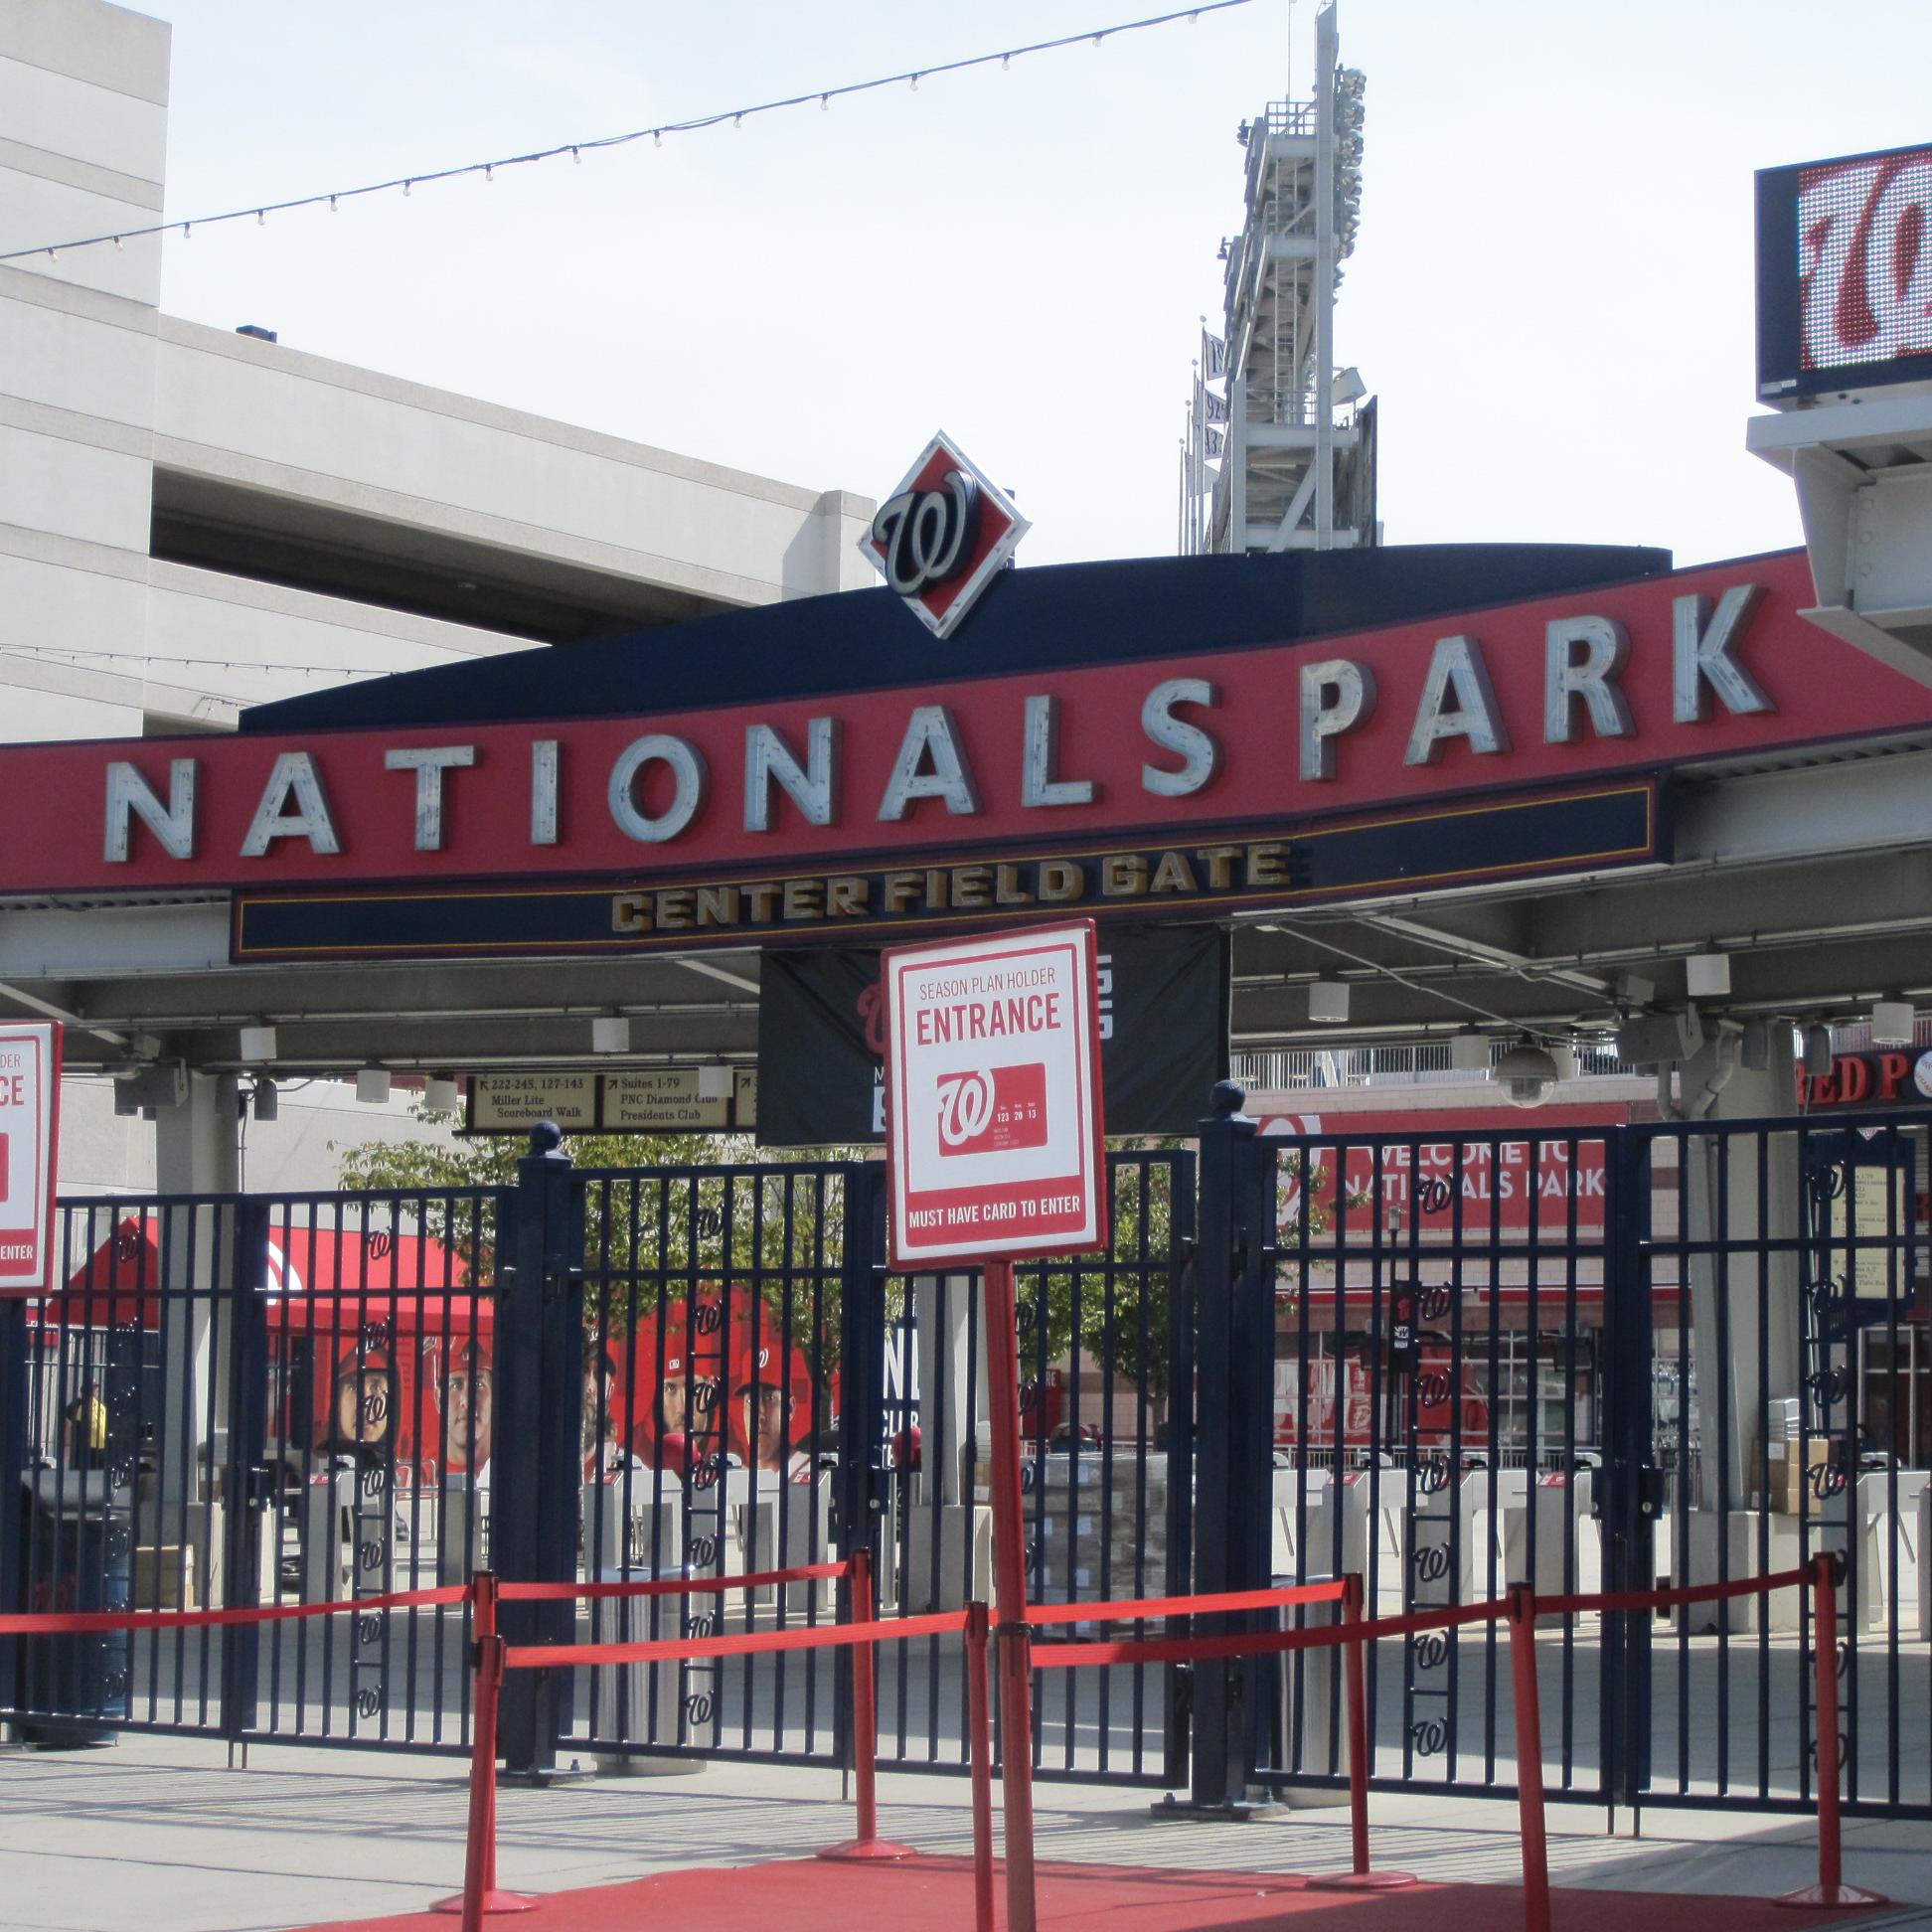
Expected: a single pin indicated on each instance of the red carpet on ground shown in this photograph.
(936, 1895)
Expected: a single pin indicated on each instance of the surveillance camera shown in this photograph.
(1526, 1075)
(1525, 1092)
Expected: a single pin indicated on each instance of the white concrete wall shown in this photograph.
(83, 90)
(97, 387)
(272, 417)
(105, 1153)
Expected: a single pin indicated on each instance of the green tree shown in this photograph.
(666, 1211)
(664, 1214)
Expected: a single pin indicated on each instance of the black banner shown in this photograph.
(1164, 993)
(1416, 846)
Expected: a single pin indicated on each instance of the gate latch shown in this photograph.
(1652, 1490)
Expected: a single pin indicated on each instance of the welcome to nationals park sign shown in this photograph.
(1522, 740)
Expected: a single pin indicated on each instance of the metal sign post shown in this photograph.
(995, 1152)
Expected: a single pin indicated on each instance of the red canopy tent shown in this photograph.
(321, 1280)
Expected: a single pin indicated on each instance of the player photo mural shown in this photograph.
(361, 1424)
(772, 1411)
(708, 1385)
(599, 1442)
(468, 1405)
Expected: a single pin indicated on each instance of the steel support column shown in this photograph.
(536, 1499)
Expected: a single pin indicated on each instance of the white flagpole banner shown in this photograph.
(1213, 357)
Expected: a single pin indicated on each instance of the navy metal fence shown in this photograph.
(1586, 1358)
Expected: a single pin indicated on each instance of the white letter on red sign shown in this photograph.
(294, 775)
(929, 734)
(687, 768)
(1038, 785)
(542, 792)
(1457, 666)
(1565, 679)
(811, 787)
(1702, 655)
(1200, 753)
(1334, 695)
(127, 792)
(430, 766)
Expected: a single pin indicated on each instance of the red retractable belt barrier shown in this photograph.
(1135, 1609)
(668, 1586)
(677, 1649)
(1519, 1612)
(480, 1898)
(1529, 1740)
(58, 1623)
(979, 1718)
(1637, 1601)
(868, 1844)
(864, 1630)
(1258, 1643)
(1831, 1888)
(1360, 1876)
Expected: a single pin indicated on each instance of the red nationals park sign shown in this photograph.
(994, 1128)
(30, 1120)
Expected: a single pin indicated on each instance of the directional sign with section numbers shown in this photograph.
(993, 1097)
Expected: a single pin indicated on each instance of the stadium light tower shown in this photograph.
(1285, 457)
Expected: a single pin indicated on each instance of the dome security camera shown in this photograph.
(1526, 1075)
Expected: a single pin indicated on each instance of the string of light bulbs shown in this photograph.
(60, 651)
(577, 150)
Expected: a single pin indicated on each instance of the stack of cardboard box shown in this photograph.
(1788, 1460)
(1791, 1462)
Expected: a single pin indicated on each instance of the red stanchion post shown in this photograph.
(1010, 1593)
(479, 1897)
(864, 1729)
(1831, 1888)
(1529, 1740)
(1360, 1878)
(980, 1718)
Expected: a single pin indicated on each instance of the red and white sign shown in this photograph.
(30, 1123)
(1305, 1404)
(910, 771)
(992, 1106)
(1866, 273)
(1456, 1178)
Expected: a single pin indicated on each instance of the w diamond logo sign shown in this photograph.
(940, 536)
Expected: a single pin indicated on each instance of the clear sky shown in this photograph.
(1551, 293)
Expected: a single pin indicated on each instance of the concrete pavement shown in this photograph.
(156, 1834)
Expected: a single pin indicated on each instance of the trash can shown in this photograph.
(76, 1551)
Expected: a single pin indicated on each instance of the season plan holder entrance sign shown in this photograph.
(29, 1122)
(993, 1097)
(994, 1152)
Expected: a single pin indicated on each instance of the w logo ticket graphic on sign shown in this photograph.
(981, 1113)
(994, 1122)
